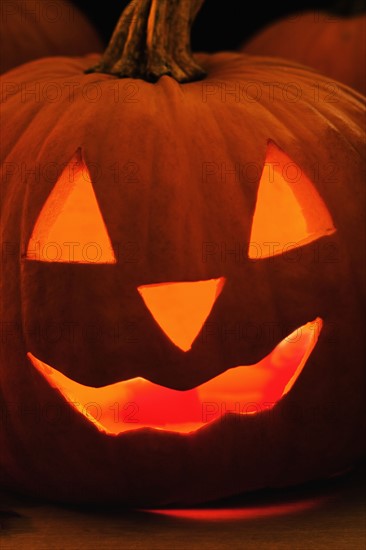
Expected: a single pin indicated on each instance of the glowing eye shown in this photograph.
(289, 211)
(180, 309)
(70, 227)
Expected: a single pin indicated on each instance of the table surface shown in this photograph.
(317, 516)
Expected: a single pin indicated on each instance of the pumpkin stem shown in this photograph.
(152, 39)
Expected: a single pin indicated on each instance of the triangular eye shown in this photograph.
(180, 309)
(289, 211)
(70, 227)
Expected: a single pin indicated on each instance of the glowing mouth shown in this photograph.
(138, 403)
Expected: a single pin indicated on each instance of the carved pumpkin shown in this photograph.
(334, 45)
(31, 29)
(182, 286)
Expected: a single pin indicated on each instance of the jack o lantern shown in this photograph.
(332, 44)
(31, 29)
(182, 276)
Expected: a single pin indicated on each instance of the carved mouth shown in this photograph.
(138, 403)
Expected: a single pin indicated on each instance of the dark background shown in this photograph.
(222, 24)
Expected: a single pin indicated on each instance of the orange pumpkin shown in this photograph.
(334, 45)
(182, 278)
(31, 29)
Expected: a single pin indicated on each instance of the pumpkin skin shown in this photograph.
(55, 28)
(169, 134)
(334, 45)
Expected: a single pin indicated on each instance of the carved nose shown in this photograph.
(181, 309)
